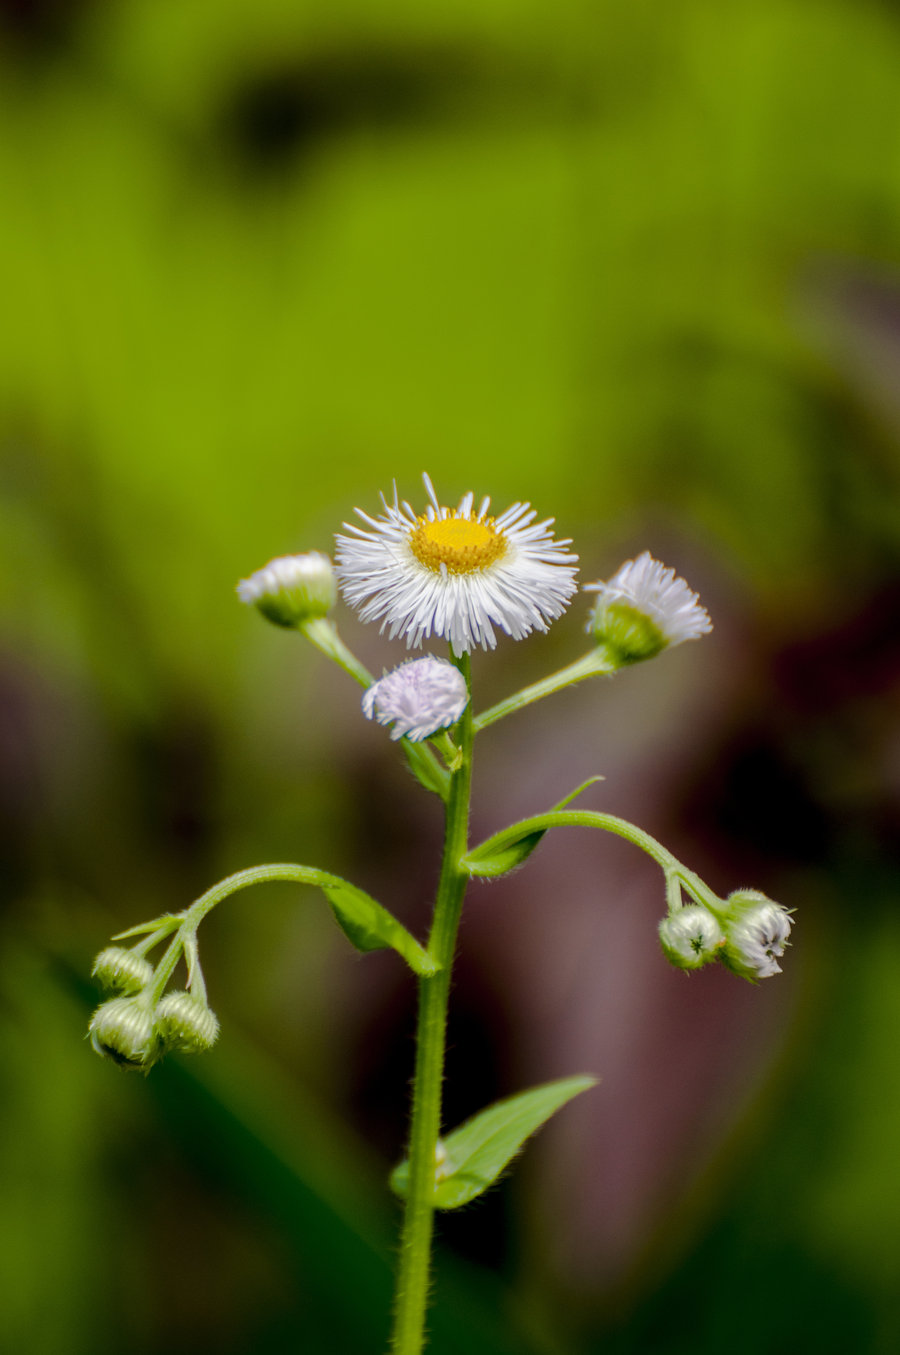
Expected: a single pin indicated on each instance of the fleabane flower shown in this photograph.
(454, 572)
(292, 588)
(418, 698)
(644, 608)
(691, 937)
(756, 933)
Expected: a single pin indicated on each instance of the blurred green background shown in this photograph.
(636, 263)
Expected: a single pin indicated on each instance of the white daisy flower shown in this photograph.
(756, 933)
(419, 698)
(643, 608)
(454, 572)
(691, 936)
(292, 588)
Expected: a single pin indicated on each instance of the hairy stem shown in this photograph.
(415, 1243)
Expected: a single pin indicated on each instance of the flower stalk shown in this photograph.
(596, 663)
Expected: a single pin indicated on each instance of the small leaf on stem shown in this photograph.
(475, 1154)
(490, 864)
(371, 927)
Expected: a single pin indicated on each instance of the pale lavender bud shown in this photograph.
(756, 933)
(418, 698)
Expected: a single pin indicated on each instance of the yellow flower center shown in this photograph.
(461, 544)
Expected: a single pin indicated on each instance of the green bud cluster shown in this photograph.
(747, 931)
(132, 1029)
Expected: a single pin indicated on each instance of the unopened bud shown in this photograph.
(691, 937)
(292, 588)
(122, 1030)
(756, 933)
(122, 971)
(418, 698)
(186, 1024)
(644, 608)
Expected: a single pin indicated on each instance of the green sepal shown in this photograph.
(475, 1154)
(370, 927)
(484, 862)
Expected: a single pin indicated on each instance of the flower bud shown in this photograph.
(122, 1030)
(418, 698)
(121, 970)
(186, 1024)
(644, 608)
(756, 933)
(691, 937)
(292, 588)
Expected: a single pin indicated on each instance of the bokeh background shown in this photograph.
(638, 264)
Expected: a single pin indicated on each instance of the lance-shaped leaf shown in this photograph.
(490, 866)
(371, 927)
(490, 861)
(474, 1155)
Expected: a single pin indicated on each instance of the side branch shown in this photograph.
(501, 847)
(364, 921)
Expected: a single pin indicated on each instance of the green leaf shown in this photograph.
(490, 865)
(475, 1154)
(486, 862)
(371, 927)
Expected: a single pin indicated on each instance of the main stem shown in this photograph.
(415, 1243)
